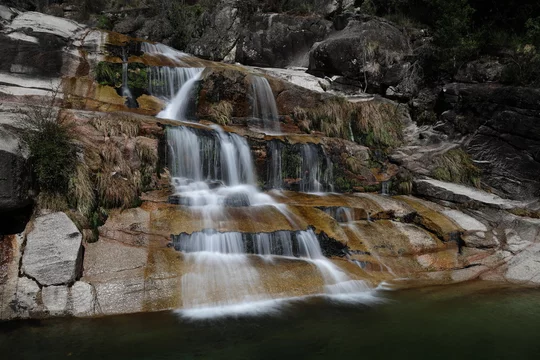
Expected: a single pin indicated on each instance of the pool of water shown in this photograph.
(471, 321)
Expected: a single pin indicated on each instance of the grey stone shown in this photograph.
(26, 302)
(368, 48)
(55, 299)
(280, 40)
(53, 250)
(82, 296)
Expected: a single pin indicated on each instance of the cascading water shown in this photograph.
(212, 173)
(305, 162)
(131, 103)
(264, 104)
(178, 107)
(313, 176)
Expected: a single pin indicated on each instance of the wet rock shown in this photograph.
(237, 200)
(53, 250)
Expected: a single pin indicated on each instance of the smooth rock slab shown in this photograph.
(53, 250)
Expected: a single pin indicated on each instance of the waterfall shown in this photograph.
(385, 187)
(178, 107)
(306, 162)
(220, 265)
(164, 82)
(264, 104)
(131, 103)
(214, 177)
(274, 171)
(163, 50)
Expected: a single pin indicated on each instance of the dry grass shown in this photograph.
(374, 124)
(82, 189)
(221, 112)
(52, 201)
(456, 166)
(109, 126)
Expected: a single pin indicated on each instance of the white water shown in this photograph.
(264, 104)
(212, 170)
(177, 108)
(125, 86)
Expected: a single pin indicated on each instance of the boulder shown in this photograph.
(52, 254)
(221, 30)
(461, 194)
(503, 123)
(26, 301)
(368, 48)
(280, 40)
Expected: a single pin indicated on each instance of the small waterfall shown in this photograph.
(305, 162)
(264, 104)
(177, 108)
(164, 82)
(385, 187)
(314, 177)
(274, 171)
(163, 50)
(130, 101)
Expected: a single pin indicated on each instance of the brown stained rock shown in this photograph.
(150, 105)
(432, 219)
(83, 93)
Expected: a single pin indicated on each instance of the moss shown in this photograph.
(456, 166)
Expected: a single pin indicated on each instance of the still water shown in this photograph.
(471, 321)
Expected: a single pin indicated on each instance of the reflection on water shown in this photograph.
(465, 321)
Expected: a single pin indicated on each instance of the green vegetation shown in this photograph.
(456, 166)
(53, 153)
(107, 73)
(463, 30)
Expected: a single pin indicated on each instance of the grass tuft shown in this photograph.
(221, 112)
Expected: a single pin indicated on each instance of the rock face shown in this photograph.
(367, 48)
(280, 40)
(53, 250)
(15, 176)
(221, 30)
(504, 124)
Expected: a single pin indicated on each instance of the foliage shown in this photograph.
(456, 166)
(53, 153)
(107, 73)
(186, 20)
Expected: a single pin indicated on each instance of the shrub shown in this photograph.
(53, 153)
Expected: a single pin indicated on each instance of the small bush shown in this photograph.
(53, 153)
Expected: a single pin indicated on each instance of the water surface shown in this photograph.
(468, 321)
